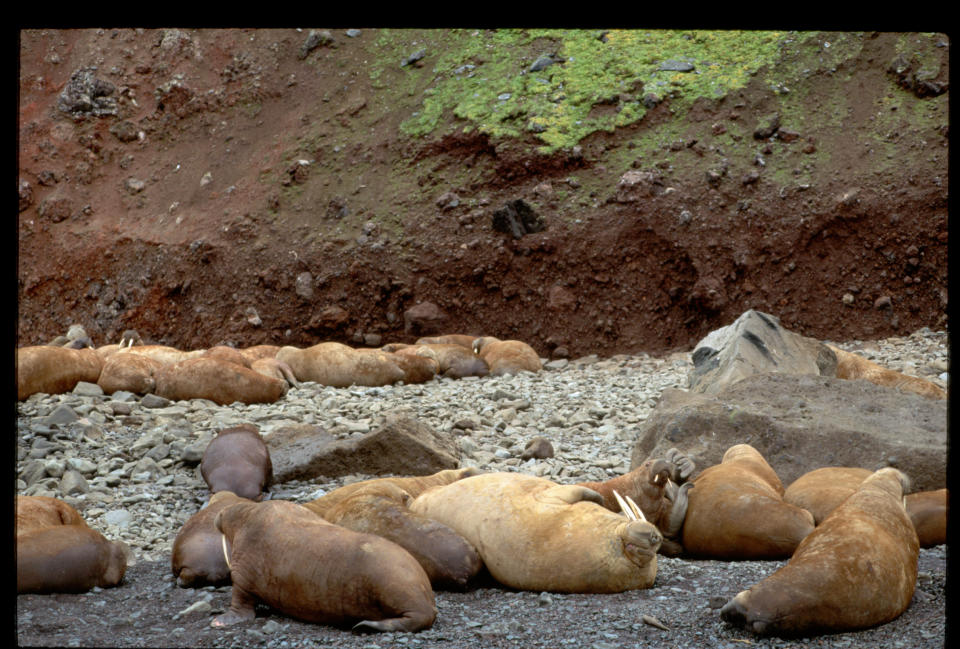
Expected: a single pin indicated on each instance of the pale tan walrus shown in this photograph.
(339, 365)
(507, 356)
(219, 381)
(534, 534)
(852, 366)
(858, 569)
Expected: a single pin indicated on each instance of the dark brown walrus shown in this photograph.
(237, 460)
(287, 557)
(858, 569)
(57, 552)
(653, 486)
(198, 557)
(382, 508)
(737, 511)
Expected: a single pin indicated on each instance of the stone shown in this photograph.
(635, 185)
(537, 448)
(754, 343)
(424, 319)
(61, 415)
(401, 445)
(801, 422)
(517, 218)
(73, 483)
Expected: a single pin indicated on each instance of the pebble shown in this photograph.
(140, 480)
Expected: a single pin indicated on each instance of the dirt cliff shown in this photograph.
(249, 186)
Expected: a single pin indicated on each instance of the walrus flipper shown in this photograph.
(570, 494)
(683, 466)
(409, 621)
(242, 608)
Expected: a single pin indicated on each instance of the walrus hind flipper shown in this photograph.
(570, 494)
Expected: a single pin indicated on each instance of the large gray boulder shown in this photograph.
(753, 344)
(400, 446)
(801, 422)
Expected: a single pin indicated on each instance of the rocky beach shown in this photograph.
(129, 464)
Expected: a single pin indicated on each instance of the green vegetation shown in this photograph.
(483, 79)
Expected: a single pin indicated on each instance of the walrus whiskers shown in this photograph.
(223, 544)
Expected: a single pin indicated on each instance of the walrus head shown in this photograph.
(641, 539)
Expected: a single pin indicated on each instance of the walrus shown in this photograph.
(533, 534)
(464, 340)
(339, 365)
(237, 460)
(38, 512)
(413, 485)
(416, 369)
(219, 381)
(57, 552)
(256, 352)
(198, 557)
(653, 486)
(163, 353)
(276, 369)
(54, 370)
(820, 491)
(289, 558)
(130, 372)
(507, 356)
(226, 353)
(736, 511)
(383, 508)
(454, 361)
(928, 512)
(129, 338)
(856, 570)
(852, 366)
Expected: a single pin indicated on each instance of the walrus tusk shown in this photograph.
(629, 508)
(223, 544)
(636, 510)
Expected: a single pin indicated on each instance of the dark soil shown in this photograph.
(117, 232)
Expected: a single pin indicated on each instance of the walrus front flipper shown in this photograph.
(683, 466)
(241, 609)
(570, 494)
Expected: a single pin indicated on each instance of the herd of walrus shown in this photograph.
(369, 555)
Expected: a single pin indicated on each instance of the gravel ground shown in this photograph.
(131, 471)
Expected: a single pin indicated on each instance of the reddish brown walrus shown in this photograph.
(57, 552)
(287, 557)
(198, 557)
(534, 534)
(661, 500)
(219, 381)
(237, 460)
(821, 490)
(130, 372)
(453, 361)
(858, 569)
(383, 508)
(54, 370)
(736, 511)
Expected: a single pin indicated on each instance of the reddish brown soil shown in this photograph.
(188, 264)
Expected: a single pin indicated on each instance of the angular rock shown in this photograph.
(801, 422)
(755, 343)
(635, 185)
(401, 445)
(517, 218)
